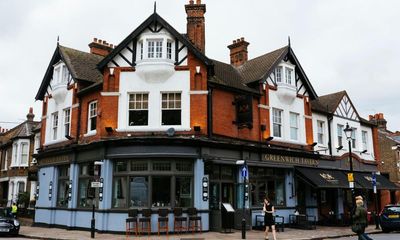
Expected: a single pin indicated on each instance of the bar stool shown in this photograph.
(179, 220)
(194, 220)
(145, 221)
(132, 222)
(163, 220)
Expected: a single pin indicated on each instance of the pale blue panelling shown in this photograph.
(290, 189)
(61, 217)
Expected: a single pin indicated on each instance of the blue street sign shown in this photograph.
(244, 172)
(373, 179)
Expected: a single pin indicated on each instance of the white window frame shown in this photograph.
(171, 108)
(24, 155)
(340, 129)
(354, 138)
(364, 137)
(16, 160)
(141, 108)
(294, 126)
(278, 74)
(141, 50)
(289, 75)
(54, 125)
(320, 132)
(67, 121)
(92, 113)
(169, 50)
(159, 49)
(278, 123)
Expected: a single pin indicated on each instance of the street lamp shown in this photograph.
(349, 132)
(244, 173)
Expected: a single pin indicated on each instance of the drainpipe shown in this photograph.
(209, 113)
(329, 117)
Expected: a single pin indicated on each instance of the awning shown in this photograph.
(323, 178)
(365, 180)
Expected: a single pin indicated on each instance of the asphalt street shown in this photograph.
(380, 236)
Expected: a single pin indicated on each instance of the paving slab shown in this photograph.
(288, 234)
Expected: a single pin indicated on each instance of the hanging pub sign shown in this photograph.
(244, 111)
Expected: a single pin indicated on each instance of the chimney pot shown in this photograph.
(238, 52)
(238, 40)
(198, 1)
(191, 1)
(94, 39)
(234, 41)
(195, 23)
(242, 38)
(100, 47)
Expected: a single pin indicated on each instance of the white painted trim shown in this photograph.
(198, 92)
(152, 129)
(263, 106)
(308, 116)
(110, 94)
(91, 133)
(54, 141)
(75, 105)
(4, 179)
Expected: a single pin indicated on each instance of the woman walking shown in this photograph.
(269, 218)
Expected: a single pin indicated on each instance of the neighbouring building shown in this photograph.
(17, 166)
(161, 125)
(389, 149)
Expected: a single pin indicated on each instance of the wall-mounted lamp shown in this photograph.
(313, 144)
(339, 148)
(269, 139)
(264, 86)
(109, 129)
(197, 69)
(111, 71)
(364, 151)
(263, 127)
(197, 128)
(68, 137)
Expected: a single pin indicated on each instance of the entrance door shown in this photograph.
(301, 197)
(219, 193)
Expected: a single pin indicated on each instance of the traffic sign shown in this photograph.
(95, 184)
(373, 179)
(244, 171)
(350, 177)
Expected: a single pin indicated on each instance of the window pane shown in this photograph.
(161, 191)
(119, 192)
(183, 192)
(83, 190)
(182, 166)
(171, 117)
(162, 166)
(120, 166)
(279, 192)
(138, 166)
(138, 118)
(138, 192)
(62, 193)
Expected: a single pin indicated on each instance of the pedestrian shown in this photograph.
(14, 210)
(269, 217)
(360, 220)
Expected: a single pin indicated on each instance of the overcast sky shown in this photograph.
(342, 45)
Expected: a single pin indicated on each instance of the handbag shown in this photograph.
(356, 228)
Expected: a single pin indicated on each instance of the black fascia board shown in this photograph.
(232, 89)
(150, 20)
(92, 87)
(48, 75)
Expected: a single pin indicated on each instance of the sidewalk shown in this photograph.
(289, 234)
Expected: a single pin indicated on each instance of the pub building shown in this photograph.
(154, 123)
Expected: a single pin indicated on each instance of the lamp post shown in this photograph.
(244, 173)
(349, 132)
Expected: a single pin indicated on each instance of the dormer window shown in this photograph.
(169, 50)
(141, 50)
(60, 74)
(154, 48)
(278, 74)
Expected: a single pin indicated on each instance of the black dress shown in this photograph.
(268, 218)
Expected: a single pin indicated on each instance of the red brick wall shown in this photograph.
(85, 100)
(308, 121)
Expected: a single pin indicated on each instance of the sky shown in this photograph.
(350, 45)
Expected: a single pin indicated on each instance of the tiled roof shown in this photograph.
(327, 103)
(82, 65)
(255, 69)
(20, 131)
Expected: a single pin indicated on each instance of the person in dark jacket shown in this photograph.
(360, 217)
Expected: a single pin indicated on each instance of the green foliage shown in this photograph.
(23, 199)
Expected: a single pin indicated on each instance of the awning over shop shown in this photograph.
(323, 178)
(365, 180)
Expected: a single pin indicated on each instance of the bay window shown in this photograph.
(169, 50)
(154, 48)
(138, 109)
(24, 153)
(288, 75)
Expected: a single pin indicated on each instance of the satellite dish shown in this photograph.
(170, 132)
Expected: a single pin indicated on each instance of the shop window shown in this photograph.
(87, 196)
(63, 186)
(267, 182)
(119, 192)
(139, 191)
(183, 192)
(171, 109)
(161, 191)
(162, 183)
(138, 109)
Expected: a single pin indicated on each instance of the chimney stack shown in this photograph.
(238, 52)
(30, 116)
(379, 120)
(100, 47)
(196, 23)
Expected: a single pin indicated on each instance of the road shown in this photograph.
(380, 236)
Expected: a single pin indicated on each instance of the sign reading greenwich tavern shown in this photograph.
(55, 159)
(298, 161)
